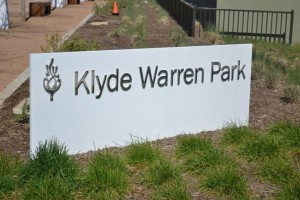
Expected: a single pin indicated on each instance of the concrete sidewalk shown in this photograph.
(24, 38)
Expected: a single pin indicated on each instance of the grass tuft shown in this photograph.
(162, 171)
(235, 134)
(49, 187)
(206, 159)
(9, 174)
(52, 158)
(259, 148)
(190, 144)
(226, 181)
(141, 152)
(291, 191)
(175, 191)
(106, 176)
(288, 133)
(276, 170)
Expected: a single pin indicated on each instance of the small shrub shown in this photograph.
(162, 171)
(23, 117)
(139, 152)
(75, 43)
(291, 93)
(226, 181)
(272, 79)
(53, 43)
(51, 158)
(106, 175)
(178, 38)
(98, 9)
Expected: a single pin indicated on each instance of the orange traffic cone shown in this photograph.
(115, 10)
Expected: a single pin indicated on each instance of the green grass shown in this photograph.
(141, 152)
(288, 133)
(277, 170)
(50, 157)
(211, 158)
(277, 64)
(175, 190)
(234, 134)
(259, 148)
(291, 190)
(162, 171)
(49, 187)
(106, 176)
(9, 174)
(190, 143)
(226, 182)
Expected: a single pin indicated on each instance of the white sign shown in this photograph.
(91, 100)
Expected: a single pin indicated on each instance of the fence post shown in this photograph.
(193, 20)
(291, 27)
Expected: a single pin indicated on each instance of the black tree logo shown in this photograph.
(52, 82)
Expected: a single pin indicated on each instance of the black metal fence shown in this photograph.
(255, 24)
(182, 12)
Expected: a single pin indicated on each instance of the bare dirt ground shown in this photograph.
(266, 106)
(24, 38)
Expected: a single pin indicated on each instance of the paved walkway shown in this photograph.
(27, 37)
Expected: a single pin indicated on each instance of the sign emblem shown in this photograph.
(52, 82)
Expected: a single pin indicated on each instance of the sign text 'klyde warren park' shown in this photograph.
(96, 99)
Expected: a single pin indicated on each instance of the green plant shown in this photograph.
(276, 170)
(9, 174)
(226, 181)
(291, 190)
(53, 43)
(291, 93)
(199, 161)
(51, 158)
(23, 117)
(191, 144)
(141, 152)
(272, 79)
(162, 171)
(178, 38)
(288, 133)
(75, 43)
(106, 175)
(175, 191)
(49, 187)
(259, 148)
(234, 134)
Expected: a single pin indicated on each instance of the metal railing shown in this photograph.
(255, 24)
(182, 12)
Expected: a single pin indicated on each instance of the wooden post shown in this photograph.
(23, 14)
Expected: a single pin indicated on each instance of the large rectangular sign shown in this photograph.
(96, 99)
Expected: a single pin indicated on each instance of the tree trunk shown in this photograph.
(4, 15)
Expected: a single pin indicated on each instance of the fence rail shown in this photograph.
(255, 24)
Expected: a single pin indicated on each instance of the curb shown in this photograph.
(15, 84)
